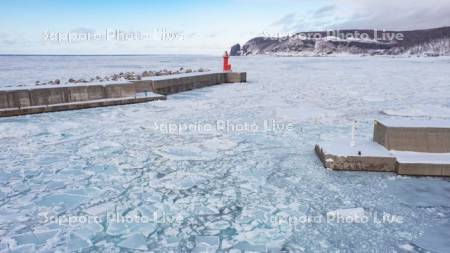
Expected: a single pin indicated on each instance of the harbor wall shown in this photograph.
(418, 139)
(37, 99)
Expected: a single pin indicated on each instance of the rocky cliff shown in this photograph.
(431, 42)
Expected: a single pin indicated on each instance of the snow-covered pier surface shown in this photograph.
(51, 98)
(219, 185)
(422, 164)
(365, 156)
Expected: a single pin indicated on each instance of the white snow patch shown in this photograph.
(421, 157)
(407, 247)
(420, 123)
(343, 147)
(420, 110)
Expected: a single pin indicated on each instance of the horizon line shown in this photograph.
(37, 54)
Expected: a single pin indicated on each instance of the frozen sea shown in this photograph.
(228, 168)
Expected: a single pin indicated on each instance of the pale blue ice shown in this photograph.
(222, 190)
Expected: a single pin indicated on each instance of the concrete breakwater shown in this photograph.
(122, 76)
(16, 101)
(407, 147)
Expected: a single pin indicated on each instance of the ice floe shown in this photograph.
(225, 186)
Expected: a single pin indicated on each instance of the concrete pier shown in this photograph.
(366, 156)
(419, 135)
(422, 164)
(407, 147)
(50, 98)
(185, 82)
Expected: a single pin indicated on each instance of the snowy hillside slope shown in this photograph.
(430, 42)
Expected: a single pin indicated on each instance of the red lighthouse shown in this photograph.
(226, 66)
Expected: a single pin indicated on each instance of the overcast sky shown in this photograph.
(196, 26)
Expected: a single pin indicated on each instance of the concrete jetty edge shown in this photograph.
(15, 101)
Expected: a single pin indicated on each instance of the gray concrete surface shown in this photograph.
(418, 136)
(356, 163)
(423, 169)
(9, 112)
(48, 98)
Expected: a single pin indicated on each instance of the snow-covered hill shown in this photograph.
(431, 42)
